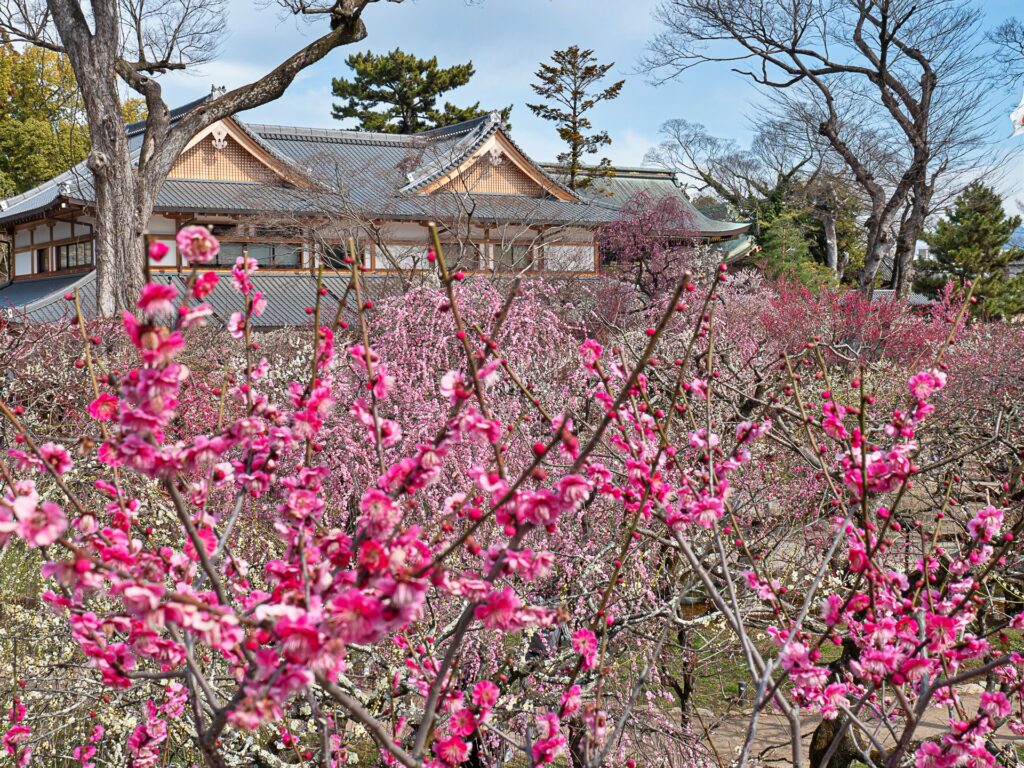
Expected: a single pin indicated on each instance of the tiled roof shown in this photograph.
(288, 294)
(42, 299)
(441, 163)
(374, 174)
(18, 294)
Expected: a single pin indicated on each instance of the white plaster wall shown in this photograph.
(23, 263)
(172, 253)
(403, 230)
(161, 225)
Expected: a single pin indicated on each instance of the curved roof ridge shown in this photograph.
(485, 127)
(342, 135)
(353, 135)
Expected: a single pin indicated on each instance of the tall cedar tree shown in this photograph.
(397, 92)
(970, 244)
(568, 87)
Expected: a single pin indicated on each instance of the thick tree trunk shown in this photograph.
(878, 248)
(123, 209)
(906, 242)
(120, 220)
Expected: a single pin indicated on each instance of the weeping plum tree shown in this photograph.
(137, 42)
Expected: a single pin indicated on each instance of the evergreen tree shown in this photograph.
(397, 92)
(41, 128)
(42, 125)
(971, 244)
(786, 244)
(569, 86)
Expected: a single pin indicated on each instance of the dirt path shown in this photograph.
(772, 744)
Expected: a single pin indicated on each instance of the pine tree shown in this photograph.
(971, 244)
(568, 87)
(397, 92)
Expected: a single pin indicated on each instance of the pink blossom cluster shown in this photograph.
(401, 498)
(280, 631)
(907, 632)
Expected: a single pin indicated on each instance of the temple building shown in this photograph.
(293, 197)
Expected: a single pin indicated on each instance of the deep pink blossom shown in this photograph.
(39, 523)
(104, 407)
(157, 299)
(584, 642)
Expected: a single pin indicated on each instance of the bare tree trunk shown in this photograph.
(828, 222)
(906, 242)
(121, 219)
(844, 261)
(878, 247)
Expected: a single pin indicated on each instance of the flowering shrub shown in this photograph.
(484, 545)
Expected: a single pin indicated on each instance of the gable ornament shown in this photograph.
(220, 137)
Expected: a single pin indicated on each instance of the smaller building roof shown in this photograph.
(19, 295)
(289, 294)
(615, 190)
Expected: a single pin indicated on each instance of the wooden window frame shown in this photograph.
(179, 266)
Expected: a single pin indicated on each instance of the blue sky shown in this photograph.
(506, 40)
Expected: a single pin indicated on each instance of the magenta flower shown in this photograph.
(485, 696)
(996, 705)
(39, 524)
(104, 407)
(380, 514)
(14, 736)
(985, 525)
(462, 723)
(706, 510)
(157, 299)
(451, 751)
(571, 698)
(922, 385)
(157, 251)
(584, 642)
(204, 285)
(197, 245)
(56, 457)
(591, 353)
